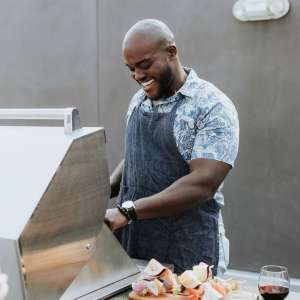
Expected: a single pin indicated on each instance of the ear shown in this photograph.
(171, 51)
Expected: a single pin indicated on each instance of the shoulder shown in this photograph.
(217, 126)
(210, 94)
(221, 109)
(208, 102)
(202, 96)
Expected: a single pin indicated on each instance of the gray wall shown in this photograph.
(63, 53)
(48, 55)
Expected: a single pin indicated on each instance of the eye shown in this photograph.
(145, 64)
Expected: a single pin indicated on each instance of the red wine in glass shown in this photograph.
(274, 282)
(273, 292)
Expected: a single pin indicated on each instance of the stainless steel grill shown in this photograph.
(53, 196)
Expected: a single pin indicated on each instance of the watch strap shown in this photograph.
(124, 212)
(132, 214)
(129, 213)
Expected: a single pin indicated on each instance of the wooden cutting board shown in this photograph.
(134, 296)
(239, 295)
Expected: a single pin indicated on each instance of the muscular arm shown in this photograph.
(115, 179)
(197, 187)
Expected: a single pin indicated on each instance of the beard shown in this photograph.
(165, 84)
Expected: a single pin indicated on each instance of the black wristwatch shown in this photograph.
(128, 210)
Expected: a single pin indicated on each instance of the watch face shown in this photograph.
(128, 204)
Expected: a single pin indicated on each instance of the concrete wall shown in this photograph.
(48, 55)
(68, 52)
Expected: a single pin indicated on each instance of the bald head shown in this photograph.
(151, 30)
(150, 53)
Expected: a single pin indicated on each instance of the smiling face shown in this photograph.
(151, 65)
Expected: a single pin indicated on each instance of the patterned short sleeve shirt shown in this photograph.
(206, 123)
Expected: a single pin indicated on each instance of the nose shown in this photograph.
(138, 74)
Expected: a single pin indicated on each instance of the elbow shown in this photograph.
(209, 192)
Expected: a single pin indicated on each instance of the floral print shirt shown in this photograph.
(206, 123)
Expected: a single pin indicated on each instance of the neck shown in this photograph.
(179, 80)
(182, 77)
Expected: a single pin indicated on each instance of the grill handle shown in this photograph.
(69, 115)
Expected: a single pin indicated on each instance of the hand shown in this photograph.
(114, 219)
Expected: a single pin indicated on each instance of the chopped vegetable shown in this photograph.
(140, 288)
(196, 284)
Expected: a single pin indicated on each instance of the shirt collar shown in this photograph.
(192, 80)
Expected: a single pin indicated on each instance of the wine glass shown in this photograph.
(274, 282)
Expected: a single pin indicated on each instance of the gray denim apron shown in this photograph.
(152, 163)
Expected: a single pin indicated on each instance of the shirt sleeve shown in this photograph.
(217, 135)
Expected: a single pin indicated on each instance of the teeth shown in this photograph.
(147, 83)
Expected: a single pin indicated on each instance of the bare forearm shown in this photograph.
(183, 194)
(193, 189)
(115, 179)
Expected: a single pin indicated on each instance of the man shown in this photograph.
(181, 142)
